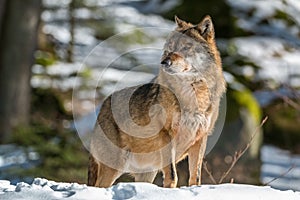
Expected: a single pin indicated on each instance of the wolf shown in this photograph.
(149, 128)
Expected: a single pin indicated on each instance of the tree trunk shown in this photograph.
(17, 44)
(2, 5)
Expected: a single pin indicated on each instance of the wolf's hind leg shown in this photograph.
(145, 177)
(100, 175)
(92, 171)
(106, 176)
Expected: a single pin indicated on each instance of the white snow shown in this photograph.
(267, 9)
(275, 46)
(50, 190)
(61, 71)
(280, 165)
(15, 156)
(277, 59)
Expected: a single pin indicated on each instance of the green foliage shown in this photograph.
(63, 157)
(62, 154)
(234, 63)
(48, 103)
(283, 126)
(137, 36)
(86, 73)
(194, 10)
(103, 29)
(44, 58)
(284, 16)
(244, 98)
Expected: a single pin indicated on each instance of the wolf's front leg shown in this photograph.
(196, 155)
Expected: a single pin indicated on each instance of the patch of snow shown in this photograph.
(15, 157)
(55, 15)
(276, 165)
(125, 78)
(101, 3)
(278, 60)
(83, 13)
(12, 155)
(46, 190)
(156, 6)
(55, 3)
(63, 69)
(132, 16)
(265, 97)
(252, 14)
(83, 36)
(263, 8)
(60, 33)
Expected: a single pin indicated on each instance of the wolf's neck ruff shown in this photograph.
(181, 88)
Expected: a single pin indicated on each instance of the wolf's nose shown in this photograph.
(166, 62)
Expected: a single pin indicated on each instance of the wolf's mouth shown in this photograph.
(173, 70)
(169, 70)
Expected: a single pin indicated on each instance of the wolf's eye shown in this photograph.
(186, 47)
(165, 53)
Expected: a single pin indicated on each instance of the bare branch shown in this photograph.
(239, 154)
(209, 173)
(288, 100)
(281, 175)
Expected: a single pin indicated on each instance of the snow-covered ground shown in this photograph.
(274, 48)
(50, 190)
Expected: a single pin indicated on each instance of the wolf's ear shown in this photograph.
(206, 28)
(180, 23)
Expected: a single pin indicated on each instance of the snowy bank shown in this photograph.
(44, 189)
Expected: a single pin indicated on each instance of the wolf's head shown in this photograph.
(190, 50)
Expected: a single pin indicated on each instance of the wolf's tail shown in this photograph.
(92, 171)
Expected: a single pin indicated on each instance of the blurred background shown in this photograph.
(45, 59)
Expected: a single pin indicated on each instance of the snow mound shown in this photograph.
(44, 189)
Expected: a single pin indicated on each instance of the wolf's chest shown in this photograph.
(188, 128)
